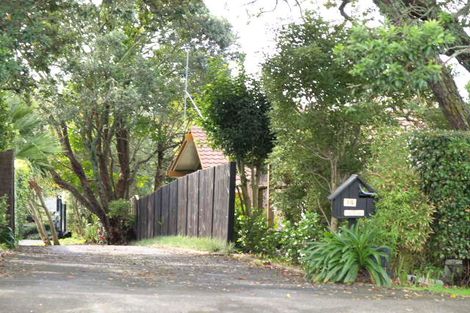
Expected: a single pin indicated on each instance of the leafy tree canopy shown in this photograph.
(236, 117)
(114, 98)
(319, 121)
(235, 113)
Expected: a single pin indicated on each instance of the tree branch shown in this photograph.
(341, 8)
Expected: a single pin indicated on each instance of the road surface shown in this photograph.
(112, 279)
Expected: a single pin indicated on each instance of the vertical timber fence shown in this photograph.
(200, 204)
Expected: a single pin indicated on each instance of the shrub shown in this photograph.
(23, 194)
(253, 235)
(120, 209)
(7, 236)
(442, 159)
(294, 237)
(94, 232)
(341, 256)
(122, 219)
(404, 213)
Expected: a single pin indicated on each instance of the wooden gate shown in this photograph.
(200, 204)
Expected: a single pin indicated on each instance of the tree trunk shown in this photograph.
(38, 192)
(39, 224)
(122, 148)
(87, 196)
(398, 11)
(254, 187)
(447, 95)
(75, 209)
(269, 208)
(244, 186)
(55, 237)
(334, 181)
(244, 209)
(160, 172)
(456, 111)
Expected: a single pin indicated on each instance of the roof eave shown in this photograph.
(346, 183)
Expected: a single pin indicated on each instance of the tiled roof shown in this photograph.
(208, 156)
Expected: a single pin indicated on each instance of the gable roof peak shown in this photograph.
(348, 182)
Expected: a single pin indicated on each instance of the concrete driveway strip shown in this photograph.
(131, 279)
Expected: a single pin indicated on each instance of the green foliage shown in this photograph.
(395, 58)
(319, 122)
(94, 232)
(8, 66)
(23, 175)
(120, 210)
(32, 36)
(294, 237)
(253, 235)
(236, 114)
(30, 231)
(404, 213)
(114, 98)
(32, 141)
(7, 236)
(442, 160)
(341, 256)
(6, 132)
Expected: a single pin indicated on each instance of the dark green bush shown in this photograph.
(122, 219)
(295, 237)
(253, 235)
(442, 160)
(29, 230)
(7, 236)
(341, 256)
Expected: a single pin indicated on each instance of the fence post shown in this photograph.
(134, 212)
(231, 201)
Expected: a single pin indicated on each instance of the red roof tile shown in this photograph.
(208, 156)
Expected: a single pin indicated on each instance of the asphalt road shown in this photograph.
(138, 279)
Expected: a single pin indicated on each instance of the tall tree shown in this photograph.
(115, 102)
(319, 122)
(236, 117)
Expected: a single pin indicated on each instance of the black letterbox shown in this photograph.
(353, 199)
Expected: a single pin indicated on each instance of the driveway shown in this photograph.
(113, 279)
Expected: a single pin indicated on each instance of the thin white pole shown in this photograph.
(194, 104)
(186, 83)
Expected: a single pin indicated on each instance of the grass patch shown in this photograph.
(452, 291)
(71, 241)
(200, 244)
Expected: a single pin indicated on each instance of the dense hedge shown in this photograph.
(404, 216)
(442, 160)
